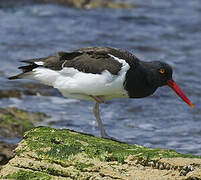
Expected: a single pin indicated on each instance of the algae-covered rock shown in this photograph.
(14, 3)
(28, 88)
(7, 93)
(82, 4)
(14, 122)
(92, 3)
(1, 73)
(6, 152)
(47, 153)
(108, 4)
(31, 88)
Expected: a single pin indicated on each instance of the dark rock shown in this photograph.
(108, 4)
(135, 109)
(1, 73)
(14, 3)
(83, 4)
(6, 152)
(86, 4)
(14, 122)
(10, 93)
(29, 88)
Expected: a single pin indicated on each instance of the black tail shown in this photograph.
(28, 68)
(24, 69)
(15, 77)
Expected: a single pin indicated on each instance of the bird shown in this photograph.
(100, 74)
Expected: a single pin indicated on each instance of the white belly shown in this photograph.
(75, 84)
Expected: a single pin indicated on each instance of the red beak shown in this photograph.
(179, 92)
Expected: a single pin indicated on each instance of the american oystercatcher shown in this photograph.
(99, 74)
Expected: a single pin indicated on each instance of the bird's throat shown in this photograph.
(136, 84)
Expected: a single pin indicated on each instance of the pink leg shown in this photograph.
(100, 99)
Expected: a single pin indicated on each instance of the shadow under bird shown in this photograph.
(99, 74)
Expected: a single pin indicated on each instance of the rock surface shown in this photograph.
(14, 122)
(6, 152)
(83, 4)
(28, 88)
(47, 153)
(86, 4)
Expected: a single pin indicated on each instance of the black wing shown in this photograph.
(89, 60)
(97, 59)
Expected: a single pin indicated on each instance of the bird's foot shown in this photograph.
(105, 136)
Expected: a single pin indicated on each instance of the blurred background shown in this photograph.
(168, 31)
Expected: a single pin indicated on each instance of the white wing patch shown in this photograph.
(63, 64)
(122, 61)
(40, 63)
(75, 84)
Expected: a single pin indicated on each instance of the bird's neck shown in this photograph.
(136, 82)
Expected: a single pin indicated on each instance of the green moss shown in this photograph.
(61, 144)
(28, 175)
(81, 166)
(17, 121)
(56, 172)
(67, 154)
(18, 126)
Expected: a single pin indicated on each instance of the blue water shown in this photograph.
(169, 31)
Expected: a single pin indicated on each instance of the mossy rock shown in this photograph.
(10, 93)
(32, 88)
(108, 4)
(14, 122)
(29, 88)
(6, 152)
(47, 153)
(81, 4)
(86, 4)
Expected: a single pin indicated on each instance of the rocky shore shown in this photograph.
(29, 88)
(81, 4)
(13, 123)
(47, 153)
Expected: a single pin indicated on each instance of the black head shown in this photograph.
(158, 73)
(144, 79)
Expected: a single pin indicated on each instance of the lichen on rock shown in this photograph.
(63, 154)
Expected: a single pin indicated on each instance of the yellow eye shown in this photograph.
(162, 71)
